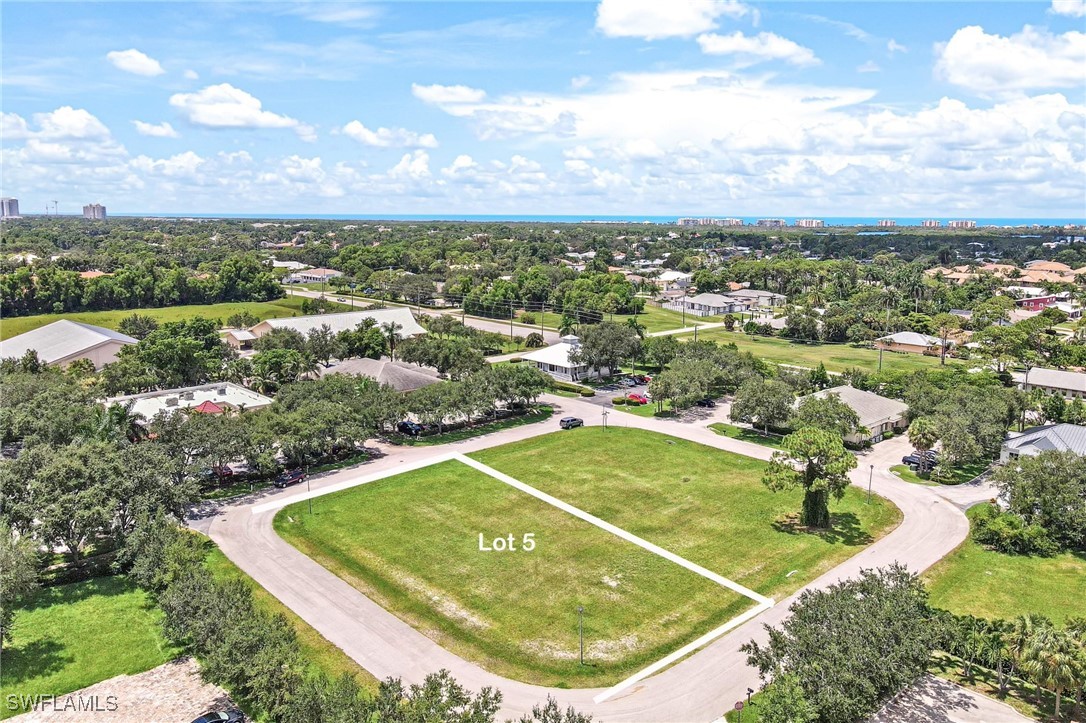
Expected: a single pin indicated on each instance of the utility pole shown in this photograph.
(870, 474)
(580, 629)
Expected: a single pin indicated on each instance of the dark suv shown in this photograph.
(408, 427)
(290, 477)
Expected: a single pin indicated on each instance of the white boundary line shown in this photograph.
(763, 603)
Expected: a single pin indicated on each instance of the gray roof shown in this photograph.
(1058, 437)
(1053, 378)
(707, 299)
(912, 338)
(349, 320)
(871, 408)
(754, 294)
(398, 375)
(61, 340)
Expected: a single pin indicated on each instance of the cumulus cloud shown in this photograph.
(185, 164)
(155, 130)
(133, 61)
(388, 137)
(224, 106)
(757, 48)
(441, 94)
(1033, 59)
(652, 19)
(413, 166)
(1073, 8)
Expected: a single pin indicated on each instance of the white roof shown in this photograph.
(292, 265)
(240, 334)
(673, 276)
(912, 338)
(556, 354)
(707, 299)
(871, 408)
(61, 340)
(222, 393)
(349, 320)
(1060, 437)
(1054, 378)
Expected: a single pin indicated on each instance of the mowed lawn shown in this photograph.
(411, 542)
(836, 357)
(975, 581)
(290, 306)
(653, 318)
(704, 504)
(318, 652)
(72, 636)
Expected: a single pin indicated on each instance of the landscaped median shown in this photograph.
(496, 574)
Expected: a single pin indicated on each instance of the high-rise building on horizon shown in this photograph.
(931, 223)
(94, 211)
(887, 223)
(961, 224)
(810, 223)
(772, 222)
(9, 207)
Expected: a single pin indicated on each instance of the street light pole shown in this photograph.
(870, 474)
(580, 629)
(308, 489)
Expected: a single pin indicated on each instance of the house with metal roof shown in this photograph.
(1070, 385)
(65, 341)
(1050, 437)
(877, 414)
(555, 360)
(345, 321)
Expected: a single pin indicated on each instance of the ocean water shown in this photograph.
(631, 218)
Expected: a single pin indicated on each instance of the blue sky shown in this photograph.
(715, 107)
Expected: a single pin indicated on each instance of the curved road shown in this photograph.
(701, 687)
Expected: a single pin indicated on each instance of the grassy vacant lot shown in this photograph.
(704, 504)
(412, 543)
(746, 434)
(290, 306)
(976, 581)
(321, 654)
(836, 357)
(72, 636)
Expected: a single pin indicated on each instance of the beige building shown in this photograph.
(64, 341)
(877, 414)
(912, 343)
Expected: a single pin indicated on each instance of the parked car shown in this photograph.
(409, 427)
(642, 378)
(639, 398)
(708, 403)
(340, 298)
(570, 422)
(289, 477)
(221, 716)
(930, 458)
(627, 382)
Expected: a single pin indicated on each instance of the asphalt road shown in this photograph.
(701, 687)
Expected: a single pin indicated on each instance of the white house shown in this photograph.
(714, 304)
(1070, 385)
(757, 297)
(671, 279)
(214, 398)
(348, 320)
(64, 341)
(312, 276)
(1058, 437)
(555, 360)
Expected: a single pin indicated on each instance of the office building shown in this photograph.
(9, 207)
(94, 211)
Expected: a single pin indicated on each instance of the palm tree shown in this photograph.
(1076, 627)
(1052, 661)
(392, 333)
(567, 325)
(923, 436)
(993, 646)
(637, 327)
(307, 367)
(117, 423)
(1022, 632)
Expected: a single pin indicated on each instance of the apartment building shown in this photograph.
(94, 211)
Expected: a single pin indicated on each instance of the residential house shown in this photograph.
(555, 360)
(714, 305)
(1070, 385)
(1050, 437)
(400, 376)
(670, 280)
(877, 414)
(912, 343)
(64, 341)
(759, 298)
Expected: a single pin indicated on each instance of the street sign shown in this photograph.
(739, 705)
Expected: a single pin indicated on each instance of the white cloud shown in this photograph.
(757, 48)
(354, 15)
(133, 61)
(388, 137)
(185, 164)
(440, 94)
(1030, 60)
(155, 130)
(413, 166)
(1073, 8)
(461, 164)
(191, 74)
(654, 19)
(893, 46)
(869, 67)
(224, 106)
(580, 81)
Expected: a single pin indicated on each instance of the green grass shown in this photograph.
(290, 306)
(704, 504)
(540, 413)
(745, 434)
(1021, 694)
(647, 410)
(412, 543)
(72, 636)
(836, 357)
(653, 318)
(321, 655)
(975, 581)
(750, 712)
(959, 475)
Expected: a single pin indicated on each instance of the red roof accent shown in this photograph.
(208, 407)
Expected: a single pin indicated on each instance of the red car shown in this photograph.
(639, 398)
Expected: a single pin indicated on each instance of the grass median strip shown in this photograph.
(434, 546)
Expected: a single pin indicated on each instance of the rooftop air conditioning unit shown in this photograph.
(188, 396)
(171, 401)
(222, 391)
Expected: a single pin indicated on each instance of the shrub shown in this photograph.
(618, 401)
(1009, 533)
(528, 319)
(888, 434)
(515, 360)
(588, 392)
